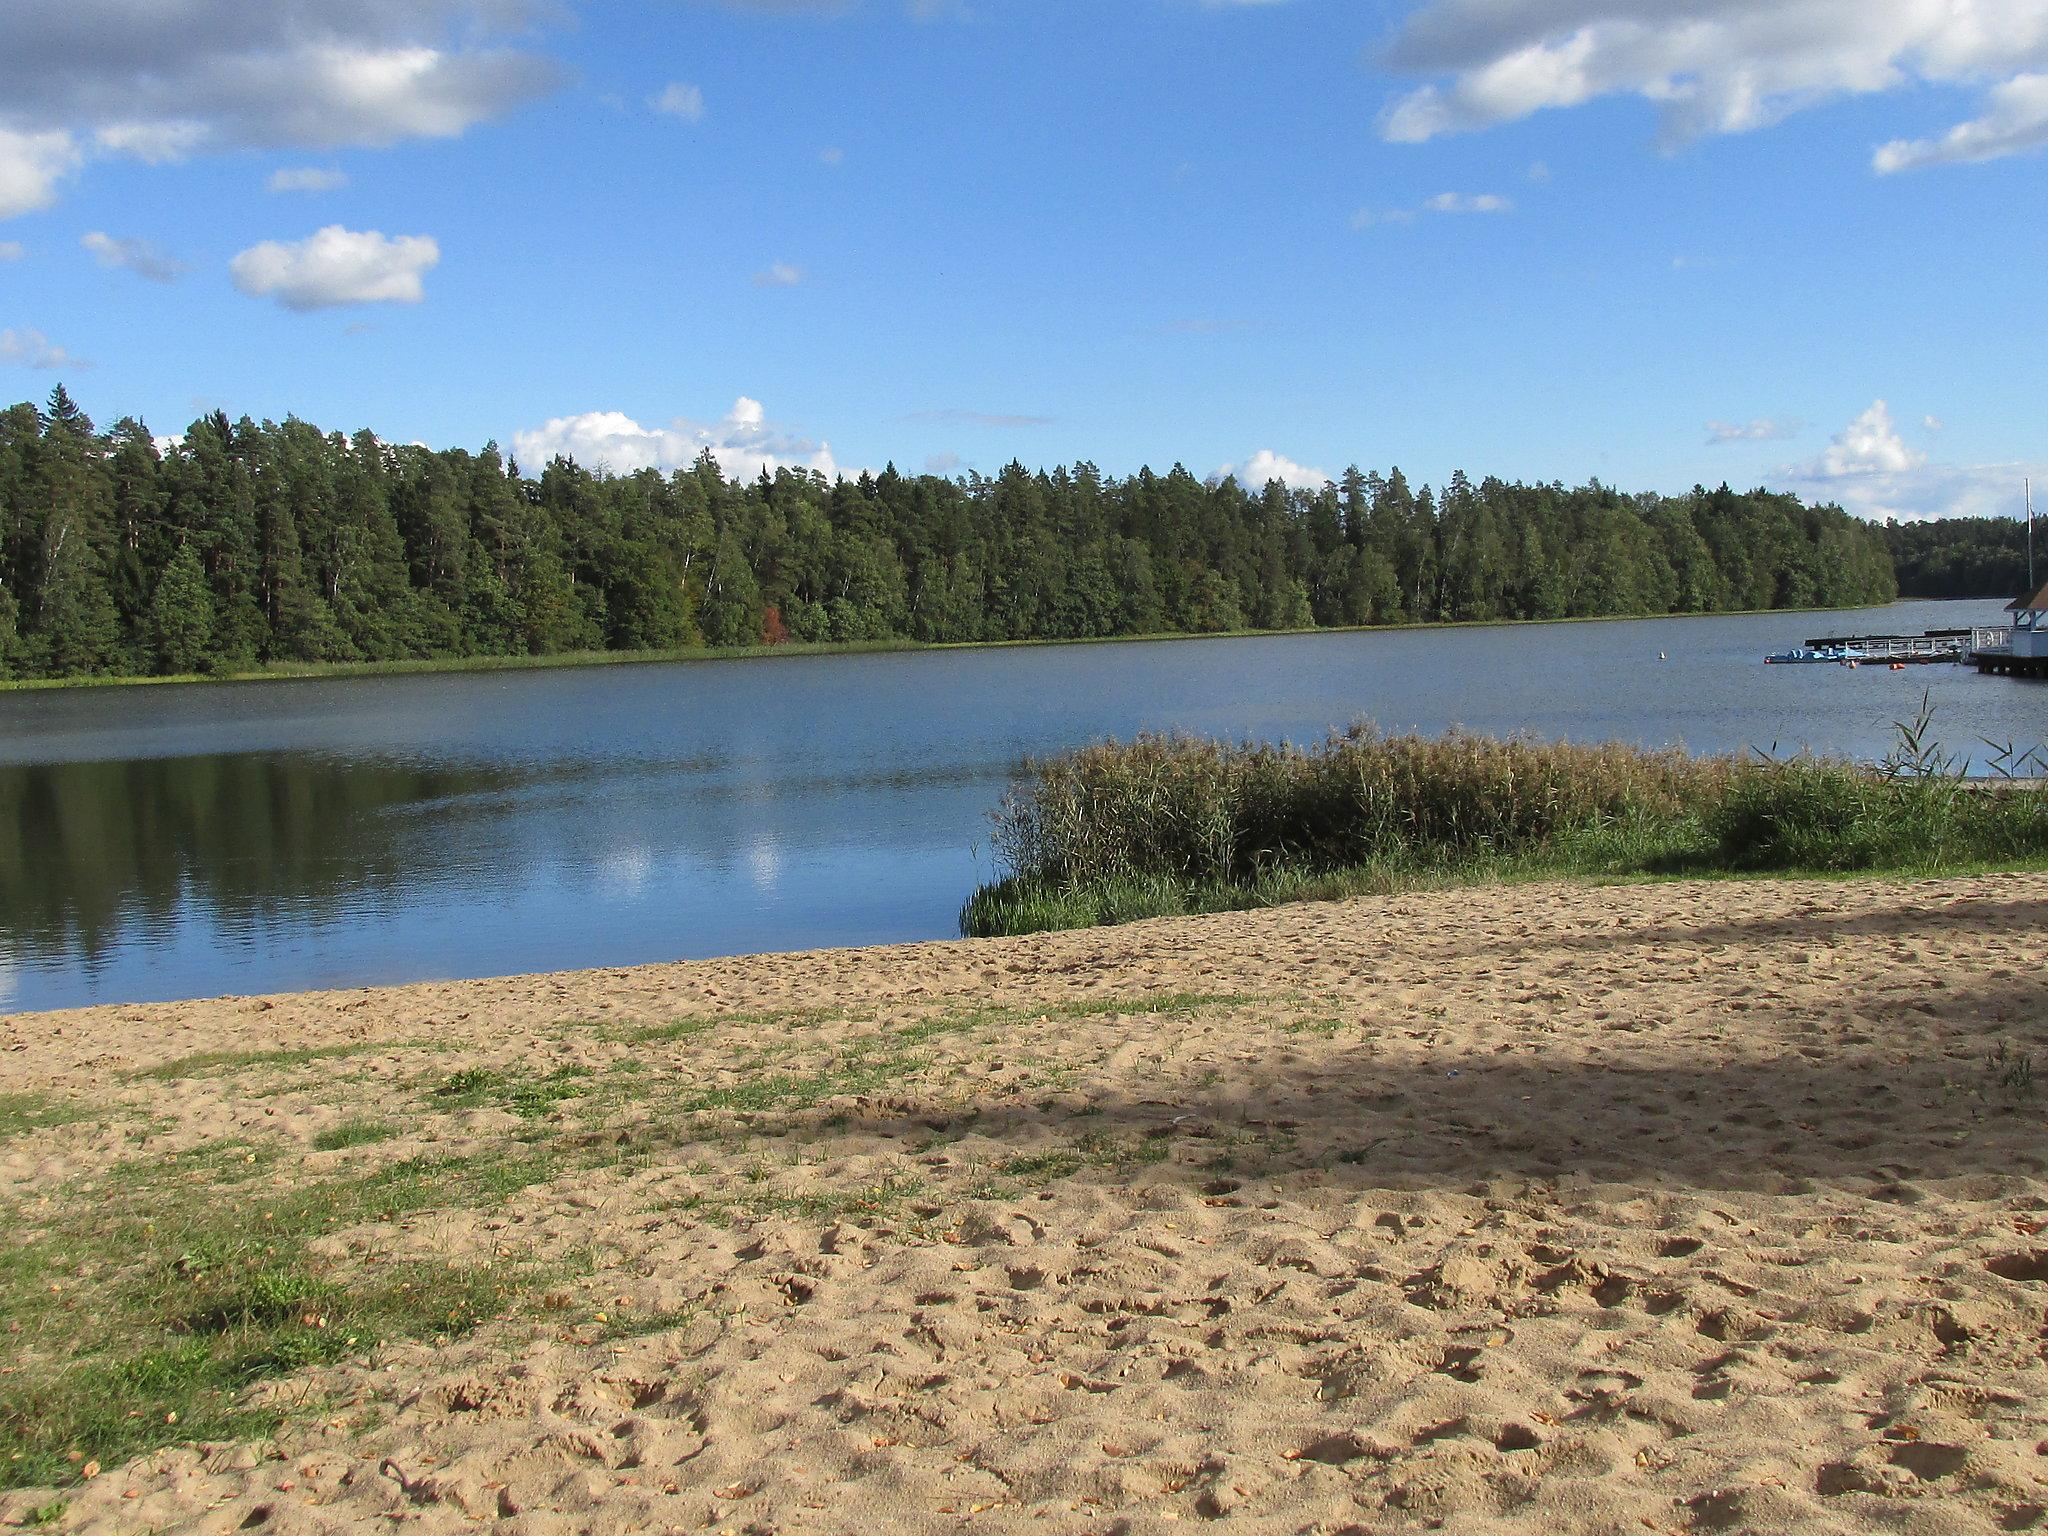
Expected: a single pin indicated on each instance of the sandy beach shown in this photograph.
(1685, 1207)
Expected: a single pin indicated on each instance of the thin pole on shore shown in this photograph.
(2031, 588)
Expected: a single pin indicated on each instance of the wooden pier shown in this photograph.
(2000, 662)
(1936, 645)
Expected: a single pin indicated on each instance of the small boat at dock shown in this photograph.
(1936, 645)
(1808, 656)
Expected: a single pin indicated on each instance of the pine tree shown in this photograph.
(181, 614)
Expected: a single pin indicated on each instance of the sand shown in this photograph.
(1690, 1207)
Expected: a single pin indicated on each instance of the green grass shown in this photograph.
(353, 1133)
(1168, 827)
(22, 1112)
(530, 1098)
(150, 1303)
(215, 1063)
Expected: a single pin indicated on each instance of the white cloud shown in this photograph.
(337, 266)
(1442, 202)
(1870, 445)
(31, 165)
(32, 349)
(780, 275)
(1722, 66)
(306, 178)
(174, 78)
(679, 100)
(1762, 430)
(160, 143)
(1267, 465)
(1457, 202)
(12, 250)
(2017, 121)
(137, 256)
(1870, 470)
(744, 443)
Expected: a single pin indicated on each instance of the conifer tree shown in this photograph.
(181, 614)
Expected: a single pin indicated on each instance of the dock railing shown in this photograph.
(1988, 641)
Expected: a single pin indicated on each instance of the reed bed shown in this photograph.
(1168, 824)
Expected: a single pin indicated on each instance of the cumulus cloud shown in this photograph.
(1266, 465)
(31, 165)
(32, 349)
(175, 78)
(1870, 445)
(1873, 472)
(780, 275)
(306, 178)
(1762, 430)
(137, 256)
(1721, 66)
(679, 100)
(2017, 121)
(337, 266)
(744, 443)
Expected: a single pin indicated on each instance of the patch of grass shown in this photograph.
(21, 1112)
(147, 1306)
(1326, 1028)
(2011, 1072)
(1171, 1004)
(1095, 1150)
(690, 1026)
(353, 1133)
(467, 1088)
(861, 1071)
(45, 1514)
(211, 1063)
(1042, 1166)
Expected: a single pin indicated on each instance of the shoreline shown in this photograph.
(1685, 1205)
(452, 665)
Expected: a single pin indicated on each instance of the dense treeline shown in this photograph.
(242, 544)
(1960, 557)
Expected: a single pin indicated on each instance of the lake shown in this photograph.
(251, 837)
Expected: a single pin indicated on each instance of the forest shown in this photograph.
(242, 544)
(1960, 557)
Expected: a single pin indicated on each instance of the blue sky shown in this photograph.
(1794, 242)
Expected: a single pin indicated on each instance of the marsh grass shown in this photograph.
(1170, 826)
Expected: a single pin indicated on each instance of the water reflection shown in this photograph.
(89, 851)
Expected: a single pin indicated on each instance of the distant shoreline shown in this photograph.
(303, 671)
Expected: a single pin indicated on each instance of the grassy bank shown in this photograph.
(286, 671)
(1167, 826)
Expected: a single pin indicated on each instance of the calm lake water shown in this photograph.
(196, 841)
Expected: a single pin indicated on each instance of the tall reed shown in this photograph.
(1166, 824)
